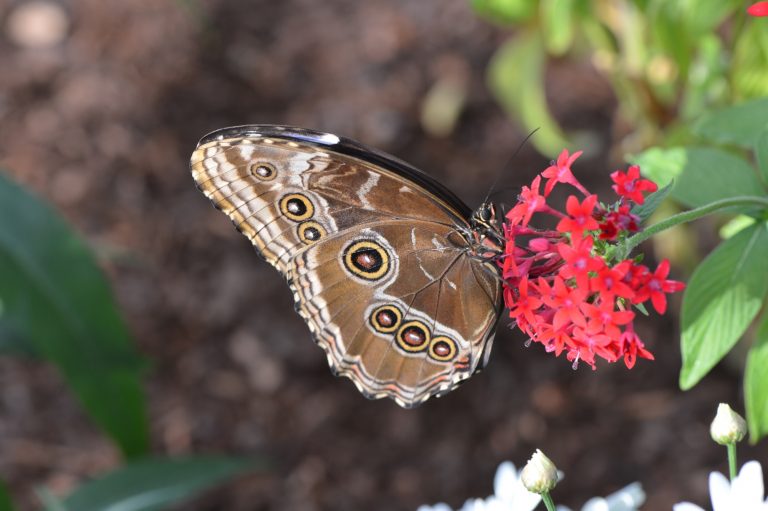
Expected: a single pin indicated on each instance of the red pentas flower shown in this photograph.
(579, 217)
(758, 9)
(560, 172)
(629, 185)
(563, 287)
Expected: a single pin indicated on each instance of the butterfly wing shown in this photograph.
(370, 248)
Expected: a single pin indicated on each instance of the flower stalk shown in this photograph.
(732, 470)
(688, 216)
(548, 501)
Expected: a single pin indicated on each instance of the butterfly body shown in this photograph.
(394, 275)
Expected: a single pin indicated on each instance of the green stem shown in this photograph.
(732, 460)
(548, 501)
(688, 216)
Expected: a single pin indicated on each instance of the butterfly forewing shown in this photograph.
(378, 268)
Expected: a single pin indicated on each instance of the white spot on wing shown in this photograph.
(328, 138)
(362, 192)
(299, 162)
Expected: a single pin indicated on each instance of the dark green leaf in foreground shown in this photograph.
(152, 484)
(5, 498)
(13, 343)
(54, 295)
(723, 296)
(756, 384)
(738, 125)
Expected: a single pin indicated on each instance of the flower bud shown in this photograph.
(728, 427)
(539, 475)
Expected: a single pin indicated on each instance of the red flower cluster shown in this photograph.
(562, 287)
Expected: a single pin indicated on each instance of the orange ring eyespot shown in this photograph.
(413, 337)
(366, 259)
(386, 319)
(309, 232)
(263, 171)
(297, 207)
(442, 348)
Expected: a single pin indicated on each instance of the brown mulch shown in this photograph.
(102, 126)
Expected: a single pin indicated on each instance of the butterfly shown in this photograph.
(394, 275)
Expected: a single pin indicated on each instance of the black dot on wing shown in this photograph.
(264, 171)
(296, 207)
(312, 234)
(367, 260)
(412, 337)
(311, 231)
(386, 318)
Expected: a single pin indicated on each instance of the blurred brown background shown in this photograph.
(99, 112)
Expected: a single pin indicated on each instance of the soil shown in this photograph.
(101, 123)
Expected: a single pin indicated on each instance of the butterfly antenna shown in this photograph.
(506, 166)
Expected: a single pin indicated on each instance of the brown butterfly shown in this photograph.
(395, 276)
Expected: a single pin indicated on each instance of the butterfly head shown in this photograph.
(487, 234)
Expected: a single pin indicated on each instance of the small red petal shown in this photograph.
(758, 9)
(659, 301)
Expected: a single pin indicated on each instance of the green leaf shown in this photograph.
(14, 344)
(704, 17)
(516, 78)
(5, 498)
(646, 209)
(558, 24)
(761, 154)
(749, 63)
(662, 166)
(711, 174)
(735, 225)
(671, 36)
(504, 11)
(151, 484)
(756, 384)
(708, 83)
(55, 296)
(739, 125)
(723, 296)
(702, 174)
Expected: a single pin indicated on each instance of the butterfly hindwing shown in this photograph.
(413, 330)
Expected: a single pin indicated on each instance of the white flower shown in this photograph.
(728, 427)
(629, 498)
(539, 475)
(509, 494)
(744, 493)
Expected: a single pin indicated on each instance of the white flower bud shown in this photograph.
(728, 427)
(539, 475)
